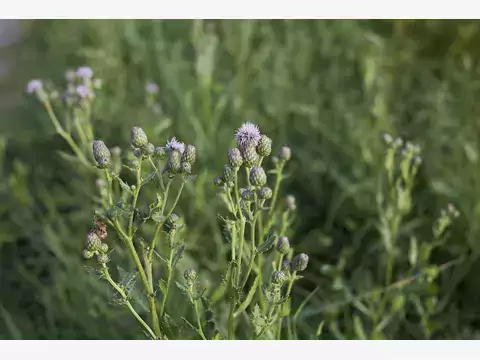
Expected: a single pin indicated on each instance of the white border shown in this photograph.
(251, 9)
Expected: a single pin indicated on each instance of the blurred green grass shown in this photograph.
(326, 88)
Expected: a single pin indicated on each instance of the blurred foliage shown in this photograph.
(329, 89)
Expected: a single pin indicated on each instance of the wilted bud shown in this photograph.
(102, 258)
(100, 150)
(235, 158)
(186, 168)
(104, 248)
(172, 221)
(174, 161)
(218, 181)
(228, 173)
(285, 153)
(264, 193)
(148, 150)
(138, 137)
(87, 254)
(291, 203)
(160, 152)
(300, 262)
(258, 176)
(278, 277)
(283, 245)
(250, 156)
(92, 242)
(247, 195)
(189, 154)
(190, 275)
(264, 147)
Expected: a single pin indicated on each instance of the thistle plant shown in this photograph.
(255, 226)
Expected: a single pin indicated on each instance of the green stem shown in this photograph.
(197, 314)
(278, 180)
(169, 280)
(124, 296)
(109, 188)
(231, 321)
(253, 254)
(135, 199)
(287, 295)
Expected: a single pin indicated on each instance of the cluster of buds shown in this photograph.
(94, 244)
(142, 149)
(180, 157)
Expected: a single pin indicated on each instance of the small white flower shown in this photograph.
(34, 85)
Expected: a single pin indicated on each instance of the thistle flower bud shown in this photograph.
(285, 153)
(250, 156)
(138, 137)
(264, 147)
(102, 258)
(286, 265)
(104, 248)
(278, 277)
(218, 181)
(228, 174)
(174, 162)
(92, 242)
(148, 150)
(104, 163)
(160, 152)
(235, 158)
(258, 176)
(137, 153)
(189, 154)
(100, 150)
(300, 262)
(264, 193)
(190, 275)
(172, 221)
(247, 195)
(186, 168)
(283, 245)
(291, 203)
(87, 254)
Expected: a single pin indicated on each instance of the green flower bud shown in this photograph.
(138, 137)
(100, 150)
(247, 195)
(186, 168)
(250, 156)
(102, 258)
(87, 254)
(235, 158)
(174, 161)
(286, 265)
(228, 174)
(291, 202)
(264, 147)
(148, 150)
(92, 242)
(218, 181)
(258, 176)
(137, 153)
(160, 152)
(104, 163)
(300, 262)
(189, 154)
(264, 193)
(172, 222)
(285, 153)
(190, 275)
(104, 248)
(283, 245)
(278, 277)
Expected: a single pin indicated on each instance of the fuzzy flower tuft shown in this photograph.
(83, 91)
(85, 72)
(151, 88)
(247, 135)
(34, 86)
(175, 145)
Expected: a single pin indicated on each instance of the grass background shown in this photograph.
(329, 89)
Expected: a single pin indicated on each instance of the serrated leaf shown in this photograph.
(249, 297)
(258, 321)
(266, 244)
(141, 300)
(182, 287)
(358, 328)
(178, 255)
(123, 184)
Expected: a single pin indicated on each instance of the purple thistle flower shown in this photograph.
(174, 144)
(83, 91)
(151, 88)
(85, 72)
(248, 134)
(34, 86)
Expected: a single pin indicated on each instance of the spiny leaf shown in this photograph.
(266, 244)
(258, 320)
(211, 331)
(178, 255)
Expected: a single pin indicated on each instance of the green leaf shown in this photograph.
(266, 244)
(304, 302)
(182, 287)
(358, 328)
(123, 184)
(178, 255)
(162, 284)
(149, 178)
(320, 329)
(158, 217)
(249, 297)
(258, 320)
